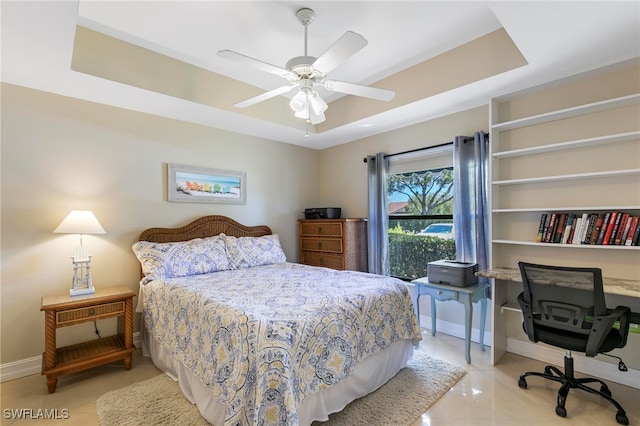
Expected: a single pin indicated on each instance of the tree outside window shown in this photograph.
(420, 220)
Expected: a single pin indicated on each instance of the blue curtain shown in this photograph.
(471, 199)
(378, 223)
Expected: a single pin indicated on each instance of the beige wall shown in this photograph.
(60, 154)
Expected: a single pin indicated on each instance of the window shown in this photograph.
(420, 208)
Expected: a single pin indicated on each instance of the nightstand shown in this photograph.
(65, 310)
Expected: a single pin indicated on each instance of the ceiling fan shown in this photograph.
(306, 72)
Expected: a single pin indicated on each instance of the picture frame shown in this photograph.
(193, 184)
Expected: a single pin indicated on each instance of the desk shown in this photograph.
(617, 286)
(464, 295)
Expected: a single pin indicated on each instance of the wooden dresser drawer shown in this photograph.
(322, 229)
(105, 310)
(322, 259)
(320, 244)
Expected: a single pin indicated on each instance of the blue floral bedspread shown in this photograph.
(265, 338)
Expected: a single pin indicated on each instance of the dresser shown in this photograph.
(333, 243)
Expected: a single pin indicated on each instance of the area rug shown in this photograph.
(400, 402)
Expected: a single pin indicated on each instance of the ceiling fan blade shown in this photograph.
(263, 97)
(342, 49)
(263, 66)
(359, 90)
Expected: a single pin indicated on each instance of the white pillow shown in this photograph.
(245, 252)
(180, 259)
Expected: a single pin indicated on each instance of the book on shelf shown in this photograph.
(612, 223)
(591, 223)
(567, 228)
(596, 229)
(622, 229)
(603, 229)
(636, 236)
(557, 238)
(551, 229)
(578, 236)
(541, 228)
(632, 230)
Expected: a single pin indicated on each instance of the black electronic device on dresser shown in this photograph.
(323, 213)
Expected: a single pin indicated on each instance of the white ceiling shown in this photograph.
(556, 39)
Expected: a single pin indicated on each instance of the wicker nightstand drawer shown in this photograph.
(106, 310)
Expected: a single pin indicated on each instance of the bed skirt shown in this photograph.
(365, 378)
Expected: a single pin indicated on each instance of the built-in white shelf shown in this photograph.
(567, 246)
(567, 145)
(567, 209)
(556, 178)
(567, 113)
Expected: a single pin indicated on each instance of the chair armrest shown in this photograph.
(603, 324)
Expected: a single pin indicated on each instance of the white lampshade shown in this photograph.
(80, 222)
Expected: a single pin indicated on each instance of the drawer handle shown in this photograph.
(439, 291)
(319, 230)
(92, 311)
(320, 245)
(321, 261)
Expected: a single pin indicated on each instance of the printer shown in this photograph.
(451, 272)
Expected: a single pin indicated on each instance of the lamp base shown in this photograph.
(81, 291)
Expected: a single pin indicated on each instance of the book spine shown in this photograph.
(574, 230)
(567, 228)
(616, 227)
(610, 226)
(622, 230)
(551, 230)
(540, 234)
(596, 228)
(636, 236)
(603, 229)
(578, 237)
(632, 230)
(560, 228)
(589, 229)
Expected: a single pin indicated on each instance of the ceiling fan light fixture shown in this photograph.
(318, 105)
(299, 103)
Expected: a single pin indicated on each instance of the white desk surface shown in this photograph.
(611, 285)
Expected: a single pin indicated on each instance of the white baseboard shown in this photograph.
(27, 367)
(456, 330)
(585, 365)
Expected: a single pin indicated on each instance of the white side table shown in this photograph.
(465, 295)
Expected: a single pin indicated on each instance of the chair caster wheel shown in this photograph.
(561, 411)
(622, 418)
(605, 390)
(522, 383)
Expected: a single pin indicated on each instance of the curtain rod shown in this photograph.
(426, 148)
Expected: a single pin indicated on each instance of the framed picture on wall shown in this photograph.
(192, 184)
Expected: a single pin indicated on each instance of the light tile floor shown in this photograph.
(486, 395)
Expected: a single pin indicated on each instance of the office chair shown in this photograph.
(565, 307)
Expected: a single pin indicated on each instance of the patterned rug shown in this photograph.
(400, 402)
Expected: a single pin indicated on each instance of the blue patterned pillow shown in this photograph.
(245, 252)
(180, 259)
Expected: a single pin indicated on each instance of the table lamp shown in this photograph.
(80, 222)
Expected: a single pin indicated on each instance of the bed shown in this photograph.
(255, 340)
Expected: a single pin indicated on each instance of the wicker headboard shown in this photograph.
(206, 226)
